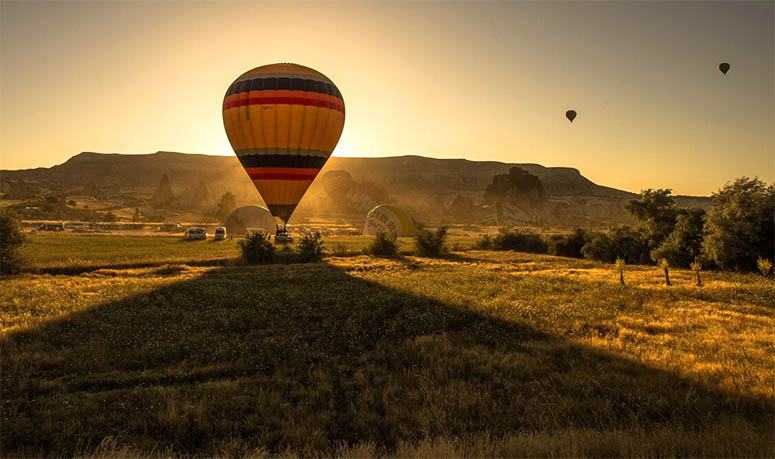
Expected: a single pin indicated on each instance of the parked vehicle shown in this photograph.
(196, 233)
(52, 227)
(281, 236)
(220, 233)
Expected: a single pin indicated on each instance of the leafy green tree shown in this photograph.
(656, 213)
(11, 240)
(684, 244)
(740, 227)
(226, 205)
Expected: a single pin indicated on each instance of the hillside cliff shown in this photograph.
(435, 190)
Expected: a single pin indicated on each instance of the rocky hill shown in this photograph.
(427, 186)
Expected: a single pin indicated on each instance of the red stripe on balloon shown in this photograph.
(283, 101)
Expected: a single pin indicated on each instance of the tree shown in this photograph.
(684, 244)
(623, 242)
(11, 240)
(656, 213)
(568, 245)
(741, 225)
(226, 205)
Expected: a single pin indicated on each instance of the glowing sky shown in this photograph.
(483, 81)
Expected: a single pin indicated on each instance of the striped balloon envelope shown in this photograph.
(283, 121)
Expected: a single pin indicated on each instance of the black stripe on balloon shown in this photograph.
(282, 211)
(296, 84)
(315, 162)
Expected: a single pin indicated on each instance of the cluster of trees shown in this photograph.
(736, 232)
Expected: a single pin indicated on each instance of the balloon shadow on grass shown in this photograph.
(307, 357)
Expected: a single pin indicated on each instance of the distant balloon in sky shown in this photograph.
(724, 67)
(283, 122)
(571, 115)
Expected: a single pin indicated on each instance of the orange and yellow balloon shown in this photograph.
(283, 121)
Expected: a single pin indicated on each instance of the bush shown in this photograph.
(521, 241)
(256, 248)
(484, 242)
(431, 243)
(740, 227)
(340, 250)
(11, 239)
(568, 245)
(311, 247)
(764, 265)
(384, 245)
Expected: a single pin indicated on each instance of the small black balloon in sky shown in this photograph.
(724, 67)
(571, 115)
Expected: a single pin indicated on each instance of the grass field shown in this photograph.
(73, 253)
(53, 252)
(480, 354)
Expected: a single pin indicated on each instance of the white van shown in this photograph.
(220, 233)
(196, 233)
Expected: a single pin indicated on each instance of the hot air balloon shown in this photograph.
(571, 115)
(724, 67)
(253, 218)
(337, 184)
(390, 220)
(283, 121)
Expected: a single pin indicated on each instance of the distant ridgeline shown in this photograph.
(432, 190)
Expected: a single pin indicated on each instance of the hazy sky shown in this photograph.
(483, 81)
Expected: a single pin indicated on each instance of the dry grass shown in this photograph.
(484, 354)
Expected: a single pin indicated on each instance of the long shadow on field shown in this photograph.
(309, 356)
